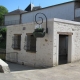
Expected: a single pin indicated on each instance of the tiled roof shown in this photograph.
(36, 8)
(31, 7)
(15, 12)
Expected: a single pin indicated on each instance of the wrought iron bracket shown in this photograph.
(41, 20)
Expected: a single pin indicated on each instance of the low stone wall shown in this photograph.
(2, 26)
(4, 68)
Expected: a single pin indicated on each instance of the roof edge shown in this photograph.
(50, 6)
(66, 21)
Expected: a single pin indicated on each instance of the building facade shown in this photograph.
(69, 11)
(59, 45)
(46, 51)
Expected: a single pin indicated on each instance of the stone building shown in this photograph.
(68, 10)
(58, 44)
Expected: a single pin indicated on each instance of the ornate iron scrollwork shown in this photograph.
(41, 20)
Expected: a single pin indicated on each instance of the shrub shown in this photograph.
(3, 32)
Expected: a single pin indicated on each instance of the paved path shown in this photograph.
(62, 72)
(8, 76)
(17, 67)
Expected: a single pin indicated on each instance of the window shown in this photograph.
(16, 41)
(30, 43)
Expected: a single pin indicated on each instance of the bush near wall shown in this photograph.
(3, 44)
(3, 54)
(3, 32)
(3, 38)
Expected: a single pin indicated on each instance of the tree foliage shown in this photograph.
(3, 32)
(3, 11)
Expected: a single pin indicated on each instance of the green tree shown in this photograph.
(3, 32)
(3, 11)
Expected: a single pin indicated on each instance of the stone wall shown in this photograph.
(68, 27)
(44, 46)
(63, 11)
(47, 48)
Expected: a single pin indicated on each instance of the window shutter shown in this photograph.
(28, 42)
(25, 45)
(13, 45)
(19, 41)
(16, 41)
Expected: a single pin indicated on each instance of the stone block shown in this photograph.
(4, 68)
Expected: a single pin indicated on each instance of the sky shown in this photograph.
(22, 4)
